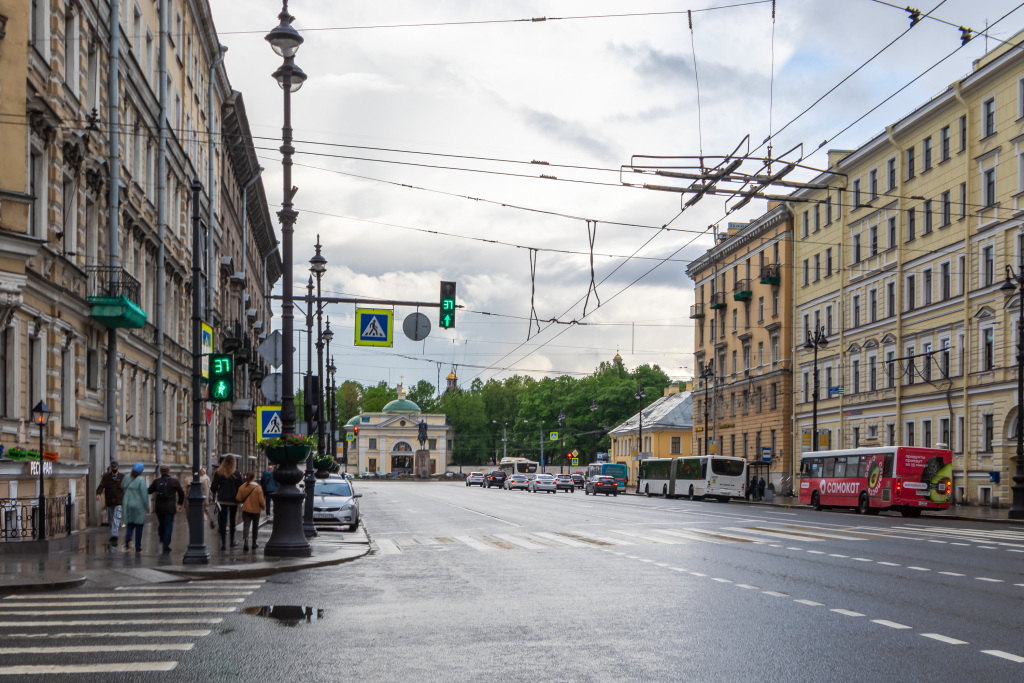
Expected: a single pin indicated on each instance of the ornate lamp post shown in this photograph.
(287, 538)
(814, 342)
(40, 416)
(561, 433)
(707, 374)
(328, 336)
(1013, 281)
(331, 369)
(640, 395)
(317, 266)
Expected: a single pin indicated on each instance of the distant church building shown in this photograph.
(453, 381)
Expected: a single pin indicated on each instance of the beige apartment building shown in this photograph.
(900, 262)
(743, 340)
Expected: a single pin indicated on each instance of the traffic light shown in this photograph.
(355, 429)
(222, 377)
(447, 304)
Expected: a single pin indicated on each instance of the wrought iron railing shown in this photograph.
(19, 518)
(106, 281)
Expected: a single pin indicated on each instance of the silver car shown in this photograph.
(475, 479)
(544, 482)
(334, 502)
(517, 481)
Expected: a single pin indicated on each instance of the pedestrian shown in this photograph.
(113, 495)
(750, 490)
(250, 497)
(760, 489)
(204, 479)
(167, 489)
(135, 506)
(226, 481)
(269, 486)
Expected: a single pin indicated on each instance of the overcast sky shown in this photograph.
(587, 92)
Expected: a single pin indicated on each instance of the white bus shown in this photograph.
(695, 477)
(519, 466)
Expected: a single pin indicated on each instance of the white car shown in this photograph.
(475, 479)
(334, 502)
(544, 482)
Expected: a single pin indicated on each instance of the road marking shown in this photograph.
(653, 539)
(406, 541)
(163, 610)
(890, 624)
(920, 569)
(114, 634)
(113, 667)
(660, 564)
(776, 594)
(428, 541)
(121, 647)
(677, 569)
(890, 564)
(1004, 655)
(722, 580)
(521, 542)
(632, 557)
(837, 555)
(700, 535)
(474, 544)
(933, 540)
(847, 612)
(214, 582)
(100, 603)
(982, 578)
(815, 532)
(1009, 549)
(773, 534)
(955, 574)
(969, 545)
(596, 537)
(645, 560)
(698, 574)
(746, 585)
(944, 639)
(817, 552)
(141, 594)
(809, 603)
(112, 622)
(861, 559)
(987, 547)
(564, 540)
(179, 587)
(387, 547)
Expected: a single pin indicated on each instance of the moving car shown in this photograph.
(544, 482)
(517, 481)
(475, 479)
(578, 480)
(334, 502)
(564, 482)
(602, 484)
(495, 478)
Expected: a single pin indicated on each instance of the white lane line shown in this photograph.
(192, 587)
(969, 545)
(406, 541)
(214, 582)
(982, 578)
(632, 557)
(847, 612)
(773, 534)
(809, 603)
(889, 564)
(564, 540)
(113, 667)
(387, 547)
(113, 634)
(660, 564)
(475, 544)
(817, 552)
(698, 574)
(701, 535)
(837, 555)
(653, 539)
(944, 639)
(920, 569)
(1009, 549)
(776, 594)
(721, 580)
(794, 548)
(102, 603)
(521, 542)
(121, 647)
(746, 585)
(890, 624)
(677, 569)
(111, 622)
(934, 540)
(645, 560)
(861, 559)
(1004, 655)
(954, 574)
(140, 594)
(822, 533)
(64, 612)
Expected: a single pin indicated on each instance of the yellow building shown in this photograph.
(667, 431)
(742, 341)
(900, 261)
(387, 441)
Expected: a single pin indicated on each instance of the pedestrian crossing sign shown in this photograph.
(575, 462)
(374, 327)
(269, 419)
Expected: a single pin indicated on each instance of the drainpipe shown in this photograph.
(113, 204)
(245, 236)
(211, 267)
(161, 220)
(965, 352)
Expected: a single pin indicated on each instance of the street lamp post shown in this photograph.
(593, 421)
(707, 374)
(41, 415)
(814, 342)
(1013, 281)
(561, 433)
(287, 538)
(317, 266)
(639, 395)
(328, 337)
(333, 396)
(504, 438)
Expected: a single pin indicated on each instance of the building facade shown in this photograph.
(900, 256)
(667, 431)
(742, 315)
(386, 442)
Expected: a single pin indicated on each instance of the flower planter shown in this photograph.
(284, 455)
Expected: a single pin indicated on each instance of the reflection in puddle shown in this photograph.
(290, 615)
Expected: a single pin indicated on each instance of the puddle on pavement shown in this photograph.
(289, 615)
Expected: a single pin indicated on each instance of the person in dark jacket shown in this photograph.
(113, 495)
(167, 489)
(226, 481)
(760, 489)
(269, 486)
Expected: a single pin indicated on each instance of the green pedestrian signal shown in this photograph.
(447, 305)
(222, 377)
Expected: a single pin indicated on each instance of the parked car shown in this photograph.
(475, 479)
(602, 484)
(367, 475)
(518, 481)
(578, 480)
(495, 478)
(544, 482)
(564, 482)
(334, 502)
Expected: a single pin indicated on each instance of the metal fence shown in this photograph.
(19, 518)
(106, 281)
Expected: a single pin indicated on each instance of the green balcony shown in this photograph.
(697, 311)
(771, 274)
(741, 291)
(113, 295)
(717, 300)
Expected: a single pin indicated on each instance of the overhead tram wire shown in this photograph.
(959, 27)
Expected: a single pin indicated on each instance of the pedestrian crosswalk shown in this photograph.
(639, 535)
(1010, 540)
(130, 629)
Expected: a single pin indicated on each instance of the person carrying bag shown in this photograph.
(250, 497)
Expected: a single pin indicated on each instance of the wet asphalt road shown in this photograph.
(467, 584)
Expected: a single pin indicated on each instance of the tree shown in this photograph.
(377, 396)
(423, 395)
(348, 400)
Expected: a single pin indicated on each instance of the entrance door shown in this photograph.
(373, 464)
(433, 467)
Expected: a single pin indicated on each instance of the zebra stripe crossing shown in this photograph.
(33, 644)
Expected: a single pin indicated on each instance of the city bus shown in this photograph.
(876, 478)
(517, 465)
(695, 477)
(608, 469)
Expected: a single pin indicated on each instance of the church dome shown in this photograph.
(401, 405)
(353, 421)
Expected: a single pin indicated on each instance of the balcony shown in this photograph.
(741, 291)
(771, 274)
(697, 311)
(717, 300)
(114, 296)
(243, 354)
(234, 333)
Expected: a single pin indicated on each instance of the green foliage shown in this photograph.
(377, 396)
(423, 395)
(349, 398)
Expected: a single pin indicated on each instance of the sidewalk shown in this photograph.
(95, 561)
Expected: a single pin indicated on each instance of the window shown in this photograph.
(856, 310)
(828, 376)
(828, 262)
(806, 273)
(746, 356)
(911, 224)
(817, 218)
(735, 311)
(856, 194)
(828, 210)
(911, 293)
(910, 433)
(926, 433)
(872, 373)
(988, 117)
(910, 163)
(926, 154)
(963, 199)
(890, 296)
(944, 144)
(806, 220)
(775, 304)
(807, 388)
(944, 431)
(926, 286)
(817, 267)
(856, 248)
(828, 320)
(988, 183)
(963, 133)
(735, 365)
(890, 368)
(775, 349)
(873, 239)
(927, 217)
(71, 50)
(892, 232)
(760, 353)
(856, 444)
(944, 281)
(855, 377)
(947, 208)
(988, 266)
(891, 173)
(873, 183)
(676, 445)
(92, 368)
(926, 362)
(772, 402)
(944, 360)
(988, 349)
(431, 444)
(372, 444)
(987, 425)
(892, 434)
(873, 305)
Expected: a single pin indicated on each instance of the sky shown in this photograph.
(407, 128)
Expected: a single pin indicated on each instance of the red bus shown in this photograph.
(878, 478)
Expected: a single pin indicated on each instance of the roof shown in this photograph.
(674, 410)
(353, 421)
(401, 405)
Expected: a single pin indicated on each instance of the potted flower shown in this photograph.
(325, 465)
(287, 448)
